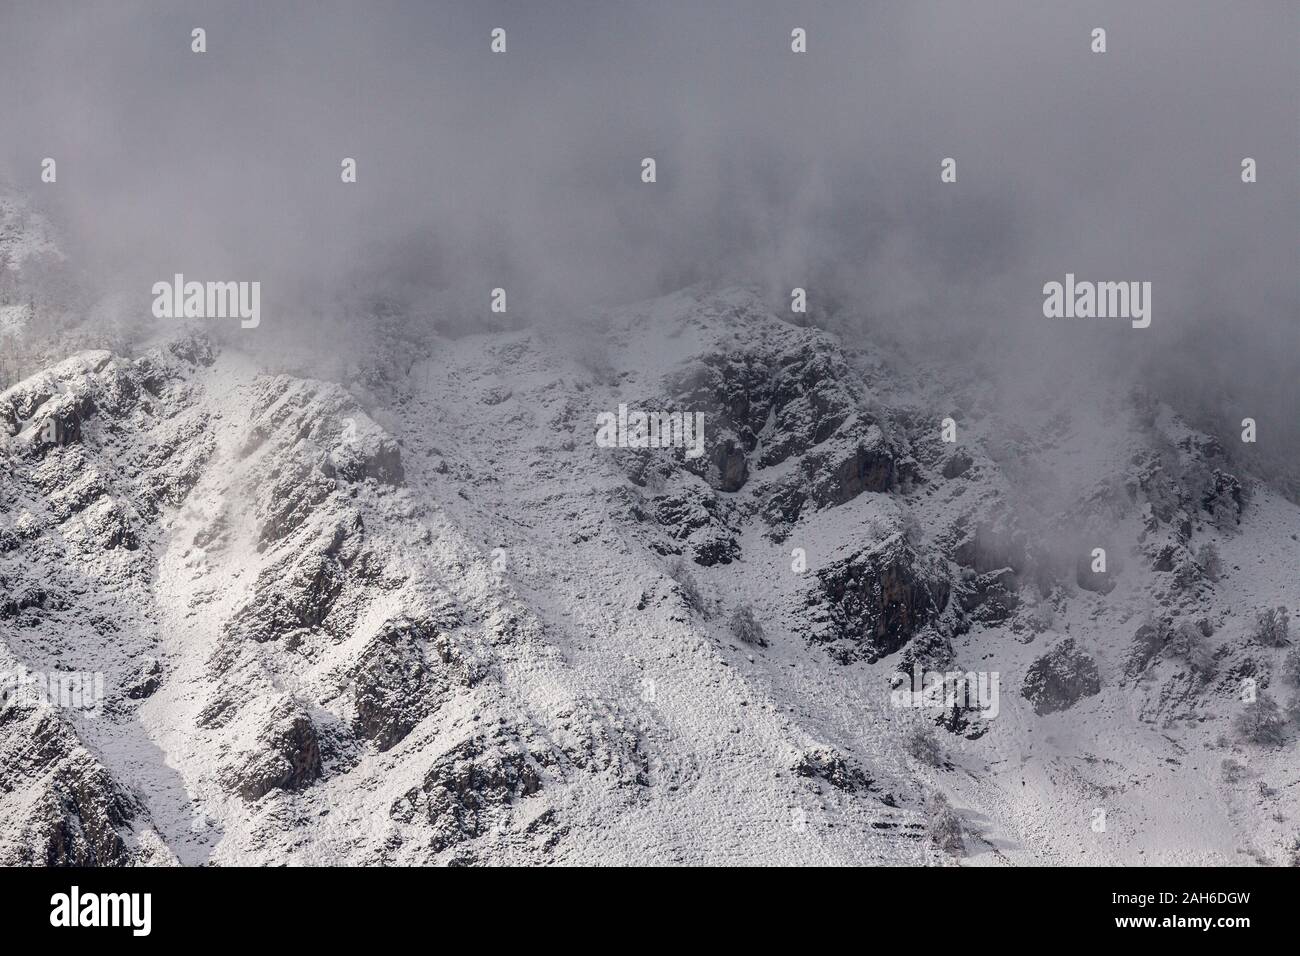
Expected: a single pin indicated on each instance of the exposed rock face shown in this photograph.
(286, 756)
(298, 593)
(147, 679)
(783, 407)
(1100, 582)
(699, 521)
(833, 474)
(405, 673)
(821, 763)
(471, 784)
(85, 485)
(990, 547)
(729, 466)
(306, 579)
(956, 465)
(733, 392)
(74, 813)
(991, 597)
(868, 605)
(1222, 499)
(869, 466)
(92, 452)
(1060, 679)
(310, 641)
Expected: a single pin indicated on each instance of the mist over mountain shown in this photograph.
(385, 573)
(818, 170)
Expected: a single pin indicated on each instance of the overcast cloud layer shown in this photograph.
(817, 170)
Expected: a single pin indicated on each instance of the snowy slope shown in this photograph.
(444, 626)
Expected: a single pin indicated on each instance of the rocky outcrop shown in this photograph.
(956, 465)
(991, 597)
(990, 546)
(285, 756)
(698, 522)
(74, 812)
(379, 691)
(470, 785)
(295, 593)
(1060, 679)
(146, 680)
(833, 474)
(1099, 582)
(870, 604)
(407, 670)
(1222, 499)
(829, 766)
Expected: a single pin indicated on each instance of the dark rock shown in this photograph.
(287, 757)
(730, 466)
(297, 592)
(1099, 582)
(820, 763)
(992, 546)
(870, 604)
(146, 680)
(1222, 499)
(1165, 558)
(404, 674)
(195, 349)
(957, 464)
(1060, 679)
(992, 597)
(77, 812)
(465, 785)
(867, 468)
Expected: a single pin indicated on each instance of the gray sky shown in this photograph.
(820, 170)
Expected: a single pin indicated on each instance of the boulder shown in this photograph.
(1060, 679)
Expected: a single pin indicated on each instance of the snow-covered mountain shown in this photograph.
(437, 622)
(26, 238)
